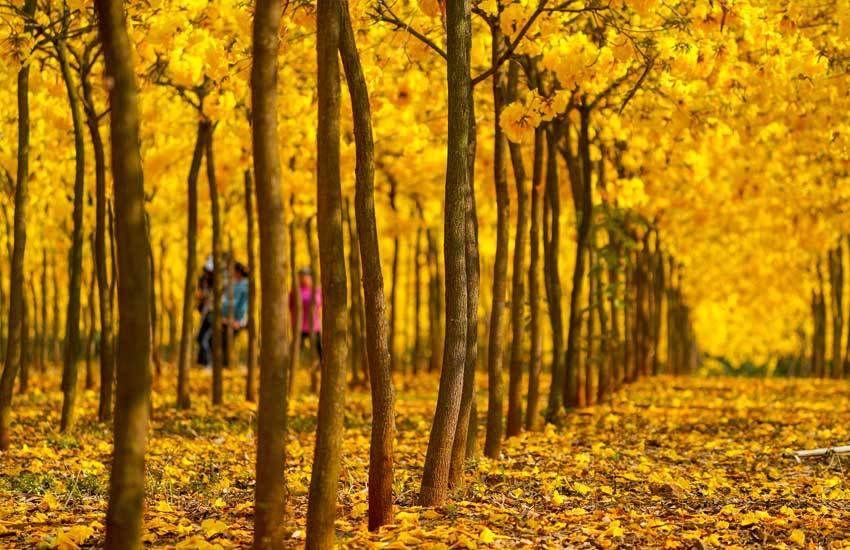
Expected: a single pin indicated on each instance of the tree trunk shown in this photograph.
(495, 390)
(90, 341)
(377, 343)
(551, 268)
(37, 332)
(297, 308)
(163, 307)
(536, 355)
(394, 354)
(324, 481)
(313, 253)
(26, 356)
(72, 316)
(582, 201)
(107, 351)
(465, 421)
(155, 359)
(251, 376)
(417, 302)
(184, 360)
(435, 309)
(269, 491)
(358, 358)
(127, 479)
(218, 266)
(836, 284)
(819, 335)
(57, 339)
(42, 348)
(434, 489)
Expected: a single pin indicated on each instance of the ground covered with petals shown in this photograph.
(669, 462)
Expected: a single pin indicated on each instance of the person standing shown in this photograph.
(235, 315)
(311, 310)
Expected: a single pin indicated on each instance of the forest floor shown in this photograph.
(669, 462)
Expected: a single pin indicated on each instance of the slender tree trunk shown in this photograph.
(321, 507)
(435, 309)
(26, 357)
(37, 334)
(57, 339)
(313, 253)
(228, 352)
(435, 477)
(357, 357)
(184, 360)
(155, 359)
(417, 303)
(107, 352)
(377, 343)
(92, 329)
(43, 340)
(269, 491)
(495, 390)
(551, 268)
(836, 285)
(218, 265)
(127, 479)
(536, 355)
(580, 177)
(591, 358)
(163, 307)
(466, 418)
(297, 309)
(819, 336)
(394, 355)
(72, 317)
(251, 376)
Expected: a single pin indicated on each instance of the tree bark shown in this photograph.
(107, 351)
(186, 333)
(218, 267)
(297, 309)
(495, 390)
(836, 285)
(269, 491)
(251, 376)
(552, 277)
(466, 420)
(72, 316)
(394, 354)
(127, 479)
(324, 481)
(14, 338)
(42, 348)
(92, 327)
(435, 309)
(580, 178)
(434, 489)
(356, 315)
(377, 343)
(536, 355)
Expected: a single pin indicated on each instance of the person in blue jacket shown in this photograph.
(235, 314)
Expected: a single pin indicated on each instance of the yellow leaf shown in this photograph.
(163, 506)
(607, 490)
(614, 529)
(581, 488)
(487, 536)
(557, 498)
(212, 527)
(798, 537)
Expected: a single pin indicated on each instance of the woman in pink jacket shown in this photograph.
(311, 310)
